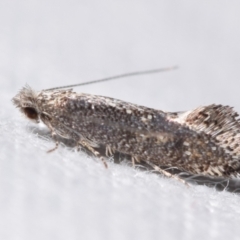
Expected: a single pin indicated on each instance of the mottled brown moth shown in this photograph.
(203, 141)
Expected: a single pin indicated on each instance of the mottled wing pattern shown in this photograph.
(202, 141)
(220, 122)
(144, 133)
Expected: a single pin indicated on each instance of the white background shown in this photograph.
(67, 195)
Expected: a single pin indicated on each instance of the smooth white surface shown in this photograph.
(67, 195)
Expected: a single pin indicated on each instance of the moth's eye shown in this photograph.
(30, 113)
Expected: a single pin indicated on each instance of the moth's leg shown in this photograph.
(92, 150)
(134, 161)
(78, 147)
(165, 173)
(109, 151)
(54, 136)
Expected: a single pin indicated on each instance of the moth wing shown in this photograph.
(221, 122)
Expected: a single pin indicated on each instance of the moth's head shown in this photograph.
(26, 101)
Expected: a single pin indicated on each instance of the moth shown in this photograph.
(204, 141)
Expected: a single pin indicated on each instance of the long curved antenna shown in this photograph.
(115, 77)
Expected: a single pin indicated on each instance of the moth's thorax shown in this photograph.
(47, 101)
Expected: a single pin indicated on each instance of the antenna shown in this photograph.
(116, 77)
